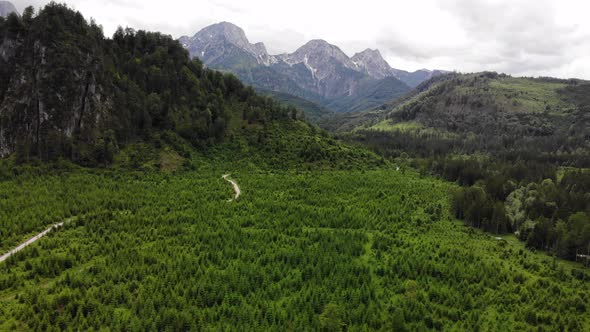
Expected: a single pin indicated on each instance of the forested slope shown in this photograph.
(313, 111)
(522, 145)
(69, 92)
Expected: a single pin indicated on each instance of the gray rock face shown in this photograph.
(6, 8)
(332, 72)
(219, 41)
(371, 62)
(36, 92)
(317, 52)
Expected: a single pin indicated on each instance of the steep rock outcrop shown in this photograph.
(6, 8)
(226, 45)
(372, 63)
(53, 93)
(332, 72)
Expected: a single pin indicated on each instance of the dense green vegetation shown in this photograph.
(355, 249)
(370, 94)
(279, 147)
(507, 140)
(313, 112)
(67, 92)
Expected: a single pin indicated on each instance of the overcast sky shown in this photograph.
(519, 37)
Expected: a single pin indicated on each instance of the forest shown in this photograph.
(320, 249)
(519, 147)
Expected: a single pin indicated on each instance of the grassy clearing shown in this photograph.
(530, 96)
(387, 125)
(410, 127)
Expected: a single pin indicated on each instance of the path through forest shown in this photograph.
(235, 185)
(30, 241)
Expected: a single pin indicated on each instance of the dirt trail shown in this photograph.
(30, 241)
(235, 185)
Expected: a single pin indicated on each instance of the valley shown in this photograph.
(149, 183)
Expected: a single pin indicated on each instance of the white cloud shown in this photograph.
(520, 37)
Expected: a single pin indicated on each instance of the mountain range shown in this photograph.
(317, 71)
(6, 8)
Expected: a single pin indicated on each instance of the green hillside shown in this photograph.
(519, 146)
(313, 111)
(370, 94)
(488, 113)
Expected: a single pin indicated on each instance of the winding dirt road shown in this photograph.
(42, 234)
(30, 241)
(235, 185)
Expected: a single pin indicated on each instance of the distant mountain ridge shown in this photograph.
(207, 43)
(6, 8)
(317, 71)
(371, 62)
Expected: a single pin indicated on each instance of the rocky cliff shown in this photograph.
(6, 8)
(371, 62)
(52, 93)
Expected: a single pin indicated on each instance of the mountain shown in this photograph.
(413, 79)
(6, 8)
(492, 106)
(332, 74)
(317, 71)
(496, 105)
(226, 46)
(372, 63)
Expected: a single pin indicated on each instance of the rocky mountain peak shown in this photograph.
(369, 53)
(6, 7)
(371, 62)
(317, 52)
(318, 43)
(320, 46)
(260, 48)
(224, 30)
(213, 43)
(317, 70)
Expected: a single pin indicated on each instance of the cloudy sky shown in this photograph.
(519, 37)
